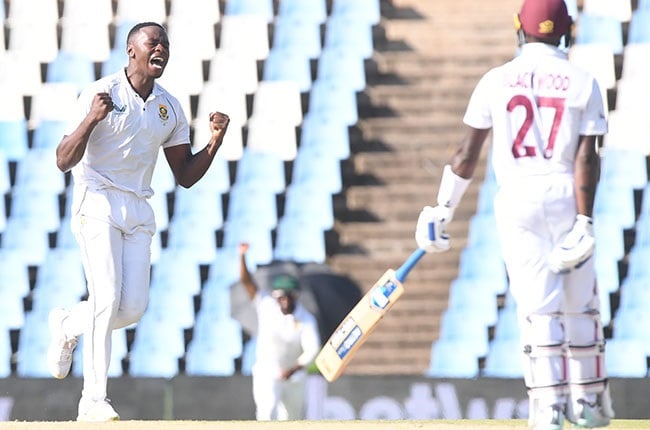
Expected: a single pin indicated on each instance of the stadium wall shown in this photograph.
(350, 397)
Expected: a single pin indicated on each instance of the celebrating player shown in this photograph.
(124, 120)
(546, 116)
(287, 341)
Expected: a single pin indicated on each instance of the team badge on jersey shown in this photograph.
(163, 113)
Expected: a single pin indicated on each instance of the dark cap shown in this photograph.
(545, 19)
(285, 283)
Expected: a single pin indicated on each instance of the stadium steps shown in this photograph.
(428, 57)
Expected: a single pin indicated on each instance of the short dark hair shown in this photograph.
(140, 26)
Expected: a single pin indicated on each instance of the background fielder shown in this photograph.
(287, 341)
(545, 115)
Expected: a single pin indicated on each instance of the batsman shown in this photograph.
(545, 116)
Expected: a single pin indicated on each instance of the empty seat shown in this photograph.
(639, 29)
(625, 358)
(484, 263)
(334, 98)
(194, 36)
(36, 37)
(299, 34)
(612, 198)
(223, 96)
(117, 59)
(177, 268)
(504, 359)
(288, 64)
(37, 172)
(63, 265)
(597, 59)
(192, 234)
(600, 29)
(49, 134)
(183, 76)
(507, 326)
(249, 229)
(636, 60)
(119, 351)
(300, 239)
(25, 238)
(628, 127)
(15, 275)
(278, 99)
(314, 11)
(82, 11)
(14, 143)
(261, 169)
(474, 296)
(235, 68)
(143, 10)
(345, 31)
(311, 201)
(316, 165)
(12, 110)
(326, 131)
(232, 146)
(39, 207)
(168, 297)
(462, 325)
(248, 34)
(54, 101)
(342, 67)
(152, 360)
(89, 39)
(22, 72)
(452, 359)
(200, 203)
(255, 202)
(619, 9)
(362, 11)
(272, 134)
(259, 8)
(210, 10)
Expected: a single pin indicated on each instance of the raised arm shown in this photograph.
(72, 147)
(244, 275)
(188, 168)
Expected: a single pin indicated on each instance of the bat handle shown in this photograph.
(404, 269)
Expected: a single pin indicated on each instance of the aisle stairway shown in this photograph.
(428, 56)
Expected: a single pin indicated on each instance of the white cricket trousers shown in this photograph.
(276, 399)
(558, 314)
(114, 230)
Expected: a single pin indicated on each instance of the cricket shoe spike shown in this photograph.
(96, 411)
(550, 418)
(590, 415)
(59, 353)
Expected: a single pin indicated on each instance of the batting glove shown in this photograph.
(430, 233)
(576, 248)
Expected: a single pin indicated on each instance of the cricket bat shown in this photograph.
(355, 328)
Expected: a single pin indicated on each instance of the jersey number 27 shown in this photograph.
(518, 147)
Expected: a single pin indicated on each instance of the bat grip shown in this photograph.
(405, 268)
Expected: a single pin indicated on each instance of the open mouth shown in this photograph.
(157, 62)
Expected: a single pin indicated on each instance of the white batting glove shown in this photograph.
(576, 248)
(430, 233)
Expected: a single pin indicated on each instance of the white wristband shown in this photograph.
(452, 188)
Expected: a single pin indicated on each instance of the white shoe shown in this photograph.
(96, 411)
(550, 418)
(590, 415)
(59, 353)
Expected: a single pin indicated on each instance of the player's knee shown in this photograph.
(584, 329)
(130, 313)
